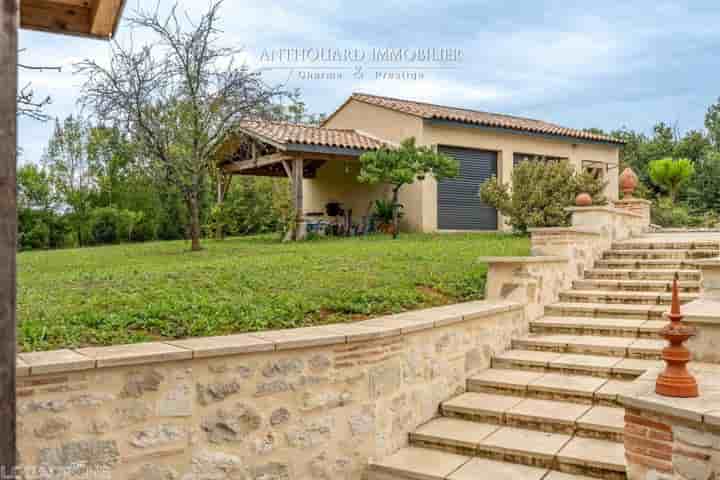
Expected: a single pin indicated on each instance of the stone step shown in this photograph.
(623, 347)
(666, 245)
(610, 327)
(667, 275)
(413, 463)
(534, 448)
(604, 423)
(658, 254)
(661, 286)
(624, 298)
(540, 385)
(668, 264)
(574, 364)
(606, 310)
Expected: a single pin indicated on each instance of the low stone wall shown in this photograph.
(559, 256)
(673, 438)
(314, 403)
(532, 281)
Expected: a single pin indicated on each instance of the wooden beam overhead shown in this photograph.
(91, 18)
(236, 167)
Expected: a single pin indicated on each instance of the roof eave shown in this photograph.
(517, 131)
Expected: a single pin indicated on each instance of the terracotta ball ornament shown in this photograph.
(628, 182)
(583, 200)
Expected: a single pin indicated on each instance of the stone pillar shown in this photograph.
(638, 206)
(710, 279)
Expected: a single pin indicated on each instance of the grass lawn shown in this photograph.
(140, 292)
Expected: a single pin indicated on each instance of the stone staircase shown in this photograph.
(547, 409)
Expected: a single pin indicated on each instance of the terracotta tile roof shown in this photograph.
(430, 111)
(291, 133)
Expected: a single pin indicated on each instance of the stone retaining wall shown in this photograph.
(314, 403)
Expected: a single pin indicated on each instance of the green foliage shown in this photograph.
(540, 193)
(404, 165)
(384, 211)
(252, 205)
(132, 293)
(704, 188)
(669, 214)
(671, 175)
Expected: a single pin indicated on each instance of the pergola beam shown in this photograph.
(9, 19)
(257, 162)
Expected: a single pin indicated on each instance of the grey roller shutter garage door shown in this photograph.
(459, 206)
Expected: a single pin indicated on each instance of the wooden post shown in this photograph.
(8, 232)
(298, 167)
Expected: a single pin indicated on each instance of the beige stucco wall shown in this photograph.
(336, 181)
(394, 127)
(420, 199)
(316, 403)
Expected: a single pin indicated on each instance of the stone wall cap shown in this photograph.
(703, 409)
(603, 208)
(136, 354)
(42, 363)
(580, 230)
(52, 362)
(702, 310)
(627, 201)
(205, 347)
(21, 368)
(516, 260)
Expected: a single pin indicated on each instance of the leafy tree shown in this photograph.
(69, 171)
(671, 175)
(712, 123)
(405, 165)
(704, 189)
(692, 146)
(181, 96)
(539, 194)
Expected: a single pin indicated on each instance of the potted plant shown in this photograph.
(385, 215)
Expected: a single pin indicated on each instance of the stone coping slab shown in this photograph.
(702, 311)
(516, 260)
(63, 361)
(573, 230)
(603, 208)
(702, 410)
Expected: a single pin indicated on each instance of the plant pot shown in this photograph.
(387, 228)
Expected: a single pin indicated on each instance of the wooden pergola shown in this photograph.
(89, 18)
(278, 149)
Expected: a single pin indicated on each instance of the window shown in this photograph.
(596, 169)
(533, 157)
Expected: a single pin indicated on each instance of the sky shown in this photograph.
(579, 64)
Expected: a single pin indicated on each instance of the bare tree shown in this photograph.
(180, 96)
(28, 104)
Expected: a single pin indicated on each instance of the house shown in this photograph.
(485, 144)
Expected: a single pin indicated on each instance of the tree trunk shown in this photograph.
(220, 228)
(396, 212)
(194, 210)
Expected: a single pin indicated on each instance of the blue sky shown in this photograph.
(579, 64)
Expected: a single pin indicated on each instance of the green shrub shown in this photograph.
(112, 225)
(669, 214)
(540, 193)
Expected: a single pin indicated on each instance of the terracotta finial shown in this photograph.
(676, 380)
(583, 200)
(628, 182)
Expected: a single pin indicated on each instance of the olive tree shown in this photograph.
(180, 96)
(403, 165)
